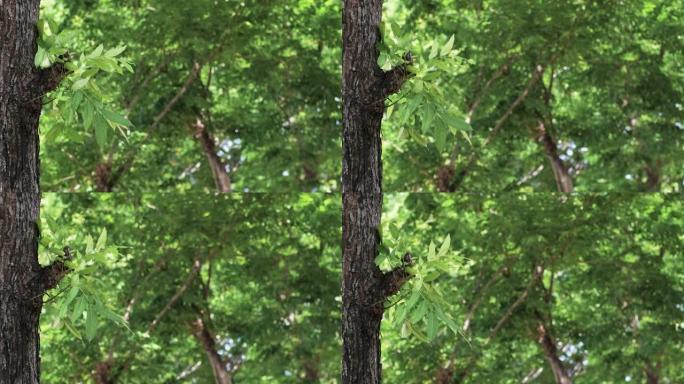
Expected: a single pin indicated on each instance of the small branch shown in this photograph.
(141, 89)
(52, 274)
(196, 265)
(560, 170)
(394, 79)
(48, 79)
(188, 280)
(131, 155)
(208, 144)
(538, 273)
(482, 292)
(503, 69)
(551, 354)
(391, 81)
(393, 280)
(539, 70)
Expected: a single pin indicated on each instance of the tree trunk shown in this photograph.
(22, 280)
(206, 339)
(560, 374)
(218, 169)
(364, 286)
(651, 374)
(560, 170)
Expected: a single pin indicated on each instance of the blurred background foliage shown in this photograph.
(252, 87)
(595, 86)
(609, 291)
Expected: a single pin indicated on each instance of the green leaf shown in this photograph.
(91, 323)
(79, 308)
(97, 52)
(445, 246)
(111, 315)
(102, 240)
(115, 51)
(448, 321)
(435, 50)
(411, 106)
(72, 330)
(457, 123)
(432, 325)
(70, 296)
(76, 100)
(79, 84)
(89, 244)
(431, 250)
(440, 135)
(101, 130)
(116, 118)
(420, 311)
(428, 114)
(446, 49)
(87, 113)
(42, 60)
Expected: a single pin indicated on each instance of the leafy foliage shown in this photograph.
(422, 101)
(79, 96)
(81, 297)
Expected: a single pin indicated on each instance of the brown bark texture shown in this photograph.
(364, 287)
(22, 280)
(548, 345)
(560, 169)
(218, 169)
(208, 343)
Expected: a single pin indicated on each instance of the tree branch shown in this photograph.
(48, 79)
(52, 274)
(196, 264)
(391, 81)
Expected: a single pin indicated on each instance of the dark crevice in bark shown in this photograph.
(48, 80)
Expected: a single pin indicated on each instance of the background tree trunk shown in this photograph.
(206, 339)
(22, 280)
(208, 144)
(560, 373)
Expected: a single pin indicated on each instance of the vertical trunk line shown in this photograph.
(363, 109)
(548, 345)
(21, 89)
(560, 170)
(206, 339)
(218, 169)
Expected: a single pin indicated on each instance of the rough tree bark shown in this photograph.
(22, 280)
(364, 287)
